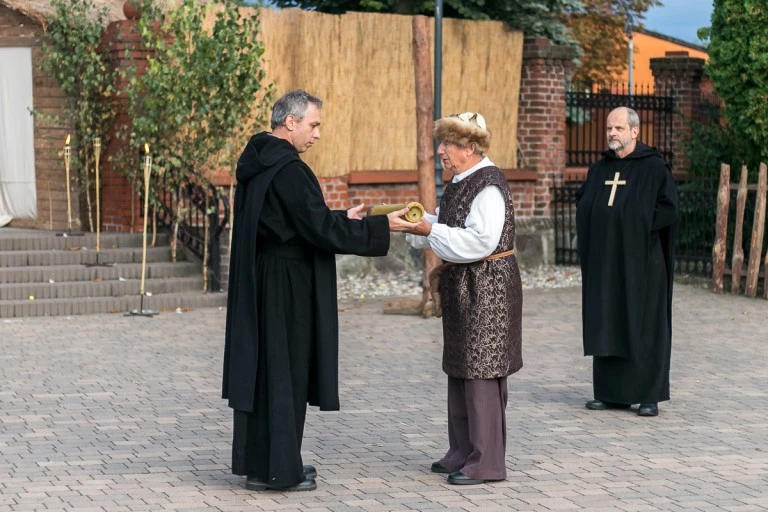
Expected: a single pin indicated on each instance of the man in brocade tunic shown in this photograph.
(281, 343)
(626, 218)
(481, 299)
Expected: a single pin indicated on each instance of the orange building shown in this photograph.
(648, 45)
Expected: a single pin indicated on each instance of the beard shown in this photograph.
(617, 145)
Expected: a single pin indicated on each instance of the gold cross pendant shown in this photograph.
(616, 182)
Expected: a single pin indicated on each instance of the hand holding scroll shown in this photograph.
(397, 224)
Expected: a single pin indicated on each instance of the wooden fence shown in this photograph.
(361, 65)
(753, 270)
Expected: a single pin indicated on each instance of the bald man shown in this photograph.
(626, 217)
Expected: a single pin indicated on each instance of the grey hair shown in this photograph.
(293, 103)
(633, 119)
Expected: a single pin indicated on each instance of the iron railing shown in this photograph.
(588, 107)
(193, 200)
(696, 227)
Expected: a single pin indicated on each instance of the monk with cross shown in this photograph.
(626, 215)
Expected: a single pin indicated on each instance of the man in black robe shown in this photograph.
(626, 217)
(281, 343)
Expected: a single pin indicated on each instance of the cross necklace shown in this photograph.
(613, 184)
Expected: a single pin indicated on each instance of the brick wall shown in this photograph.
(680, 76)
(541, 121)
(17, 30)
(122, 209)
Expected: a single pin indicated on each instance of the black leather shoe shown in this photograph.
(599, 405)
(648, 410)
(310, 471)
(439, 468)
(254, 484)
(459, 478)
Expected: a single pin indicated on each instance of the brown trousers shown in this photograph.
(477, 428)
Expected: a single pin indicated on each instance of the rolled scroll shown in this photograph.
(414, 214)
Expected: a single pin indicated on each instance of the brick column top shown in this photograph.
(542, 48)
(677, 65)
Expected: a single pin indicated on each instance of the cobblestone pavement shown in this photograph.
(113, 413)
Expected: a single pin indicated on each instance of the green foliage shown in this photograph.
(71, 55)
(542, 18)
(738, 66)
(601, 33)
(200, 86)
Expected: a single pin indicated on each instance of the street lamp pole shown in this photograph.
(631, 53)
(438, 90)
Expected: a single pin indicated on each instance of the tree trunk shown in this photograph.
(758, 229)
(721, 229)
(425, 158)
(737, 263)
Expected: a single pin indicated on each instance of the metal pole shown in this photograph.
(438, 90)
(631, 53)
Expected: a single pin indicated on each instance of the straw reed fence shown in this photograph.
(360, 64)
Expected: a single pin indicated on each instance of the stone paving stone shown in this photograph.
(117, 413)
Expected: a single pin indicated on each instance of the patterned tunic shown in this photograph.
(482, 301)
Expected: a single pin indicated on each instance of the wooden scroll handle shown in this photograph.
(414, 214)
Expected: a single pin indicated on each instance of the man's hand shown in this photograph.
(354, 212)
(396, 224)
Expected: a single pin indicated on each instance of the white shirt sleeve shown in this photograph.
(421, 242)
(481, 232)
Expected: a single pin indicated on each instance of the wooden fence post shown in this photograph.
(758, 228)
(721, 230)
(737, 262)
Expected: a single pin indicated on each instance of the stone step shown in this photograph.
(93, 305)
(61, 273)
(98, 288)
(82, 256)
(46, 241)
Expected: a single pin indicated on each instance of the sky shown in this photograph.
(680, 18)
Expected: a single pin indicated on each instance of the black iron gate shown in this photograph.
(588, 107)
(696, 227)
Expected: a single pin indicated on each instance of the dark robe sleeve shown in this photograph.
(665, 213)
(299, 192)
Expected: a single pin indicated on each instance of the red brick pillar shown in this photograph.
(679, 76)
(122, 42)
(541, 116)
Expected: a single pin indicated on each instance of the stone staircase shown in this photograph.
(42, 274)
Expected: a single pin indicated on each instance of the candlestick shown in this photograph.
(67, 158)
(97, 158)
(147, 172)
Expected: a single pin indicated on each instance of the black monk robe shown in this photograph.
(626, 250)
(281, 343)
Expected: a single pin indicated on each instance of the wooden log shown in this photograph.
(737, 262)
(425, 155)
(758, 229)
(721, 229)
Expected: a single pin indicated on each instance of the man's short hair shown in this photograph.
(293, 103)
(633, 119)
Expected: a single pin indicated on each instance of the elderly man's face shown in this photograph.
(453, 157)
(619, 134)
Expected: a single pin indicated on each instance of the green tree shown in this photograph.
(544, 18)
(601, 33)
(72, 56)
(738, 66)
(201, 87)
(201, 91)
